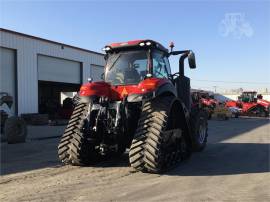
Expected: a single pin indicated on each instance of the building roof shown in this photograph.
(49, 41)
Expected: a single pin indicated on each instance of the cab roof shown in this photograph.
(135, 44)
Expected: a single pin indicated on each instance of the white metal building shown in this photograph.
(32, 69)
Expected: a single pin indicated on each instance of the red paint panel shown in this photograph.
(246, 106)
(119, 92)
(128, 43)
(264, 103)
(206, 102)
(144, 86)
(96, 88)
(231, 104)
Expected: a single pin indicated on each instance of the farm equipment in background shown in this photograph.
(13, 129)
(6, 102)
(140, 105)
(221, 112)
(207, 101)
(251, 104)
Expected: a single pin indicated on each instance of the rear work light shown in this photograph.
(107, 48)
(147, 43)
(142, 44)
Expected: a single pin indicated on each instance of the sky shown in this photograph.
(231, 39)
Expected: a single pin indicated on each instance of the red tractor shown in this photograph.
(140, 105)
(206, 100)
(251, 104)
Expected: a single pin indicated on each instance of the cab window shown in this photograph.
(160, 65)
(126, 68)
(167, 65)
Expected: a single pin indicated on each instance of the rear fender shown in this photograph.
(99, 88)
(166, 89)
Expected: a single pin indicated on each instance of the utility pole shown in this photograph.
(215, 87)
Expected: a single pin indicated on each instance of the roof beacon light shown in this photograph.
(142, 44)
(107, 48)
(148, 43)
(171, 46)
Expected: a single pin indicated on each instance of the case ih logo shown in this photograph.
(124, 92)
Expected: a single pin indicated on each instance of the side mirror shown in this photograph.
(259, 96)
(191, 60)
(102, 76)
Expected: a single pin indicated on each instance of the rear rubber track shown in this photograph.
(74, 148)
(147, 150)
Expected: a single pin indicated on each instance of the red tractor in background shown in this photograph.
(205, 99)
(251, 104)
(140, 105)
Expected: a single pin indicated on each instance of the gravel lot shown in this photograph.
(234, 167)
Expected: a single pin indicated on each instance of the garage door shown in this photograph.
(58, 70)
(7, 73)
(96, 72)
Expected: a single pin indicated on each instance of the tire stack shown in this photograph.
(15, 130)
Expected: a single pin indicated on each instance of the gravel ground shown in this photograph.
(234, 167)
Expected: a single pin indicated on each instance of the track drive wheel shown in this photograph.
(74, 147)
(159, 143)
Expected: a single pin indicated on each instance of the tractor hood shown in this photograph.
(103, 89)
(265, 103)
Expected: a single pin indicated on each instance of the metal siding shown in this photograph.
(58, 70)
(8, 74)
(86, 72)
(27, 51)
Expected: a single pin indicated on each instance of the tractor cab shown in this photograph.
(248, 96)
(131, 62)
(139, 66)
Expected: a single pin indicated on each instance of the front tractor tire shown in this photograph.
(159, 143)
(74, 147)
(199, 128)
